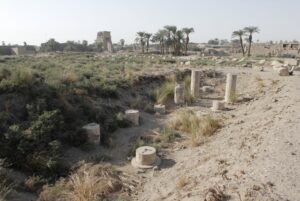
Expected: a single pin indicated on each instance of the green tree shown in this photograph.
(250, 31)
(171, 32)
(141, 39)
(239, 34)
(147, 38)
(178, 42)
(122, 43)
(160, 37)
(187, 32)
(51, 46)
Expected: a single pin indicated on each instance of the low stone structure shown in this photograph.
(230, 88)
(93, 133)
(133, 116)
(218, 105)
(160, 109)
(145, 158)
(195, 83)
(179, 94)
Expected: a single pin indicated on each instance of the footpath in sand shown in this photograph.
(254, 156)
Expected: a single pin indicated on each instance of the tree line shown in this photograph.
(170, 40)
(70, 46)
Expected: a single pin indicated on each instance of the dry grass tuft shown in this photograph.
(69, 77)
(89, 182)
(216, 194)
(274, 83)
(182, 182)
(260, 84)
(188, 122)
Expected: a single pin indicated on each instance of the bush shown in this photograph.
(188, 122)
(20, 79)
(5, 183)
(89, 182)
(36, 147)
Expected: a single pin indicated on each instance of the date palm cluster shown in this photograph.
(170, 40)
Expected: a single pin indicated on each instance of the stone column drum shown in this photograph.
(145, 155)
(195, 83)
(230, 87)
(217, 105)
(161, 109)
(93, 133)
(179, 94)
(133, 116)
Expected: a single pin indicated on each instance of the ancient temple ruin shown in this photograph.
(103, 41)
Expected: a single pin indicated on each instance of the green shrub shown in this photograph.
(5, 184)
(4, 73)
(165, 93)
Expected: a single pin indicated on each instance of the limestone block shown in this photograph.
(133, 116)
(230, 87)
(195, 83)
(218, 105)
(283, 72)
(179, 94)
(262, 62)
(291, 62)
(93, 133)
(161, 109)
(145, 157)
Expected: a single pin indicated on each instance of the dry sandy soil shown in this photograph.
(255, 156)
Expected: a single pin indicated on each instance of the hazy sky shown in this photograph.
(36, 21)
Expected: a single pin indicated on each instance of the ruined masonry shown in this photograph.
(104, 40)
(93, 133)
(179, 94)
(195, 83)
(218, 105)
(133, 116)
(230, 88)
(160, 109)
(145, 157)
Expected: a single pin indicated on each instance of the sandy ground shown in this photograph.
(255, 156)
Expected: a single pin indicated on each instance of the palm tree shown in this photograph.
(240, 34)
(147, 37)
(141, 39)
(171, 30)
(187, 32)
(161, 37)
(122, 43)
(178, 38)
(250, 30)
